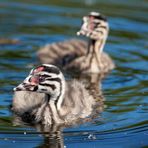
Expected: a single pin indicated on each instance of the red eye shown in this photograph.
(41, 78)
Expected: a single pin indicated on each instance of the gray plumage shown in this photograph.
(80, 55)
(35, 105)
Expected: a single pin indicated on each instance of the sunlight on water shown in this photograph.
(123, 123)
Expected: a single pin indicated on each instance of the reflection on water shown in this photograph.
(123, 123)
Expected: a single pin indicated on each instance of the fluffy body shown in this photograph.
(72, 55)
(34, 107)
(79, 55)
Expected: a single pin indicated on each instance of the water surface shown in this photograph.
(123, 123)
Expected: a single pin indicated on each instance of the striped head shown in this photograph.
(94, 26)
(46, 79)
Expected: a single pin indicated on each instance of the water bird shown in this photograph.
(78, 55)
(46, 97)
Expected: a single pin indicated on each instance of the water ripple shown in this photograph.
(123, 122)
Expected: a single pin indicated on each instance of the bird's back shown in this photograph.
(78, 102)
(61, 53)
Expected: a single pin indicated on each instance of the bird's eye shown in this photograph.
(41, 78)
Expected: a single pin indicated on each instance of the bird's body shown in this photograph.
(72, 55)
(82, 56)
(53, 100)
(62, 53)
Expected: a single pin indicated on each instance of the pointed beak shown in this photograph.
(26, 87)
(84, 27)
(29, 84)
(81, 32)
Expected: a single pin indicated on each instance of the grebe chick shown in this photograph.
(46, 97)
(79, 55)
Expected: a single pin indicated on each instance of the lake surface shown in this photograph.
(124, 121)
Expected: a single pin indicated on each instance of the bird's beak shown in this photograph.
(26, 87)
(84, 27)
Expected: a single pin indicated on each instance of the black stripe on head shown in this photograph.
(53, 70)
(54, 79)
(52, 86)
(45, 76)
(101, 26)
(101, 17)
(35, 88)
(98, 16)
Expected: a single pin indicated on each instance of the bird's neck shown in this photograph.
(95, 49)
(55, 103)
(58, 99)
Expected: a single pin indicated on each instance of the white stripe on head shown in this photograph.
(94, 13)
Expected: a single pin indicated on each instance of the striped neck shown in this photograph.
(56, 95)
(95, 49)
(98, 37)
(95, 27)
(60, 97)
